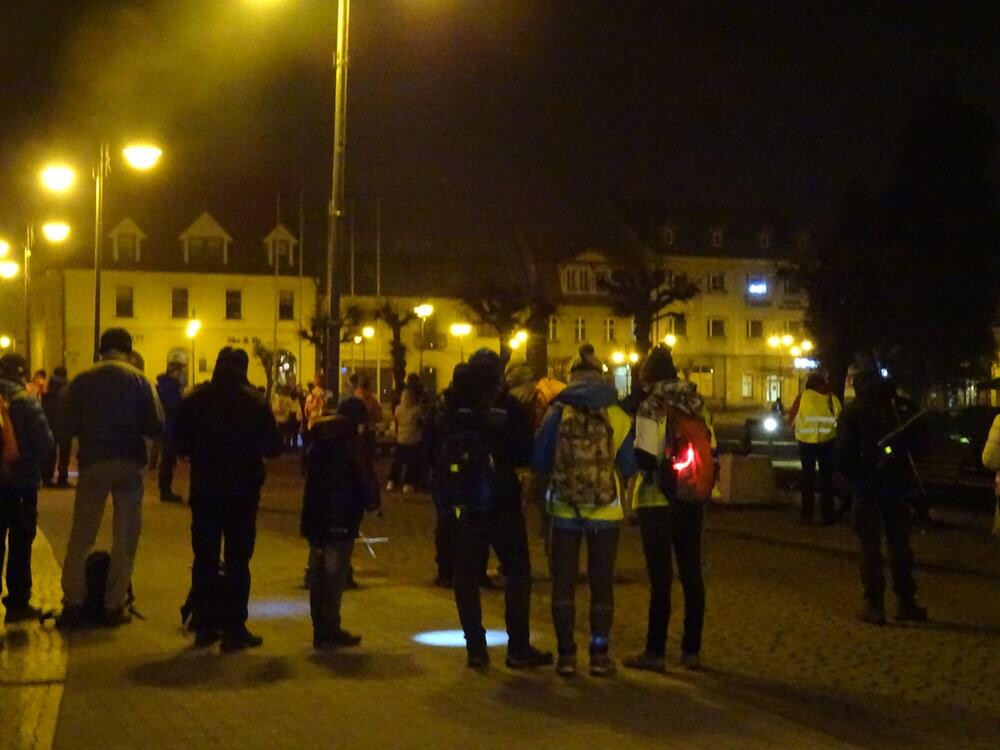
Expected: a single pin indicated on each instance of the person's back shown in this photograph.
(409, 415)
(863, 424)
(53, 393)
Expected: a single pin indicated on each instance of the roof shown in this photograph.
(206, 226)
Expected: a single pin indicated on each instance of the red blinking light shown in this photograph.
(688, 459)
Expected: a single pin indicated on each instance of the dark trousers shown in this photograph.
(811, 455)
(873, 514)
(58, 459)
(223, 524)
(676, 527)
(602, 549)
(405, 464)
(168, 461)
(329, 569)
(504, 530)
(18, 522)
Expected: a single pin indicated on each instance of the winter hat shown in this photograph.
(471, 384)
(116, 339)
(586, 360)
(488, 363)
(659, 365)
(353, 408)
(13, 367)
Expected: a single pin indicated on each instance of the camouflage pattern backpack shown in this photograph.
(584, 471)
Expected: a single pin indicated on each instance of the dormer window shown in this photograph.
(803, 241)
(717, 237)
(585, 280)
(281, 243)
(668, 236)
(204, 250)
(205, 242)
(571, 279)
(126, 242)
(765, 240)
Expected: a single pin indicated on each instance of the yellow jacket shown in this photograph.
(816, 419)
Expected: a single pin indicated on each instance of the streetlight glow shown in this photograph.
(460, 329)
(358, 339)
(368, 332)
(618, 358)
(670, 340)
(774, 342)
(55, 231)
(423, 311)
(193, 326)
(142, 156)
(5, 342)
(515, 343)
(795, 351)
(521, 336)
(633, 358)
(58, 178)
(807, 345)
(787, 340)
(9, 269)
(4, 248)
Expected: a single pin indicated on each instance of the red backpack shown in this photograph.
(687, 468)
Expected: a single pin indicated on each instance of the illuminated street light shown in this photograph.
(634, 358)
(358, 339)
(774, 342)
(460, 331)
(55, 231)
(423, 312)
(5, 342)
(618, 358)
(670, 340)
(795, 351)
(521, 336)
(58, 178)
(368, 332)
(9, 269)
(807, 345)
(142, 156)
(193, 326)
(514, 343)
(787, 340)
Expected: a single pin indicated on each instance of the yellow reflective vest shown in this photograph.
(816, 419)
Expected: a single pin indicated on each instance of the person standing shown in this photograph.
(19, 487)
(170, 389)
(671, 527)
(814, 416)
(575, 462)
(481, 437)
(111, 409)
(36, 387)
(226, 428)
(409, 417)
(57, 461)
(340, 486)
(872, 451)
(991, 460)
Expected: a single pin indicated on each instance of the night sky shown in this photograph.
(471, 117)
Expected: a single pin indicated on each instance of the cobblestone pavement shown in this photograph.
(786, 663)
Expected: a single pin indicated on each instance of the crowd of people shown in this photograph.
(494, 442)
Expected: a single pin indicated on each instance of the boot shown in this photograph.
(873, 613)
(909, 611)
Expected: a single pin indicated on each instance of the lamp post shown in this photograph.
(787, 342)
(423, 312)
(193, 326)
(366, 333)
(460, 331)
(670, 340)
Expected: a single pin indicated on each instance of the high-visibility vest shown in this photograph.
(816, 420)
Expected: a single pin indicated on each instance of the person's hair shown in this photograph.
(364, 382)
(815, 381)
(586, 359)
(59, 371)
(116, 339)
(659, 365)
(39, 374)
(13, 366)
(354, 379)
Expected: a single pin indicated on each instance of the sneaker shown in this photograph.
(647, 662)
(691, 661)
(170, 497)
(340, 639)
(112, 618)
(206, 638)
(566, 665)
(478, 658)
(241, 640)
(872, 613)
(70, 618)
(22, 613)
(910, 611)
(530, 657)
(407, 489)
(390, 486)
(602, 665)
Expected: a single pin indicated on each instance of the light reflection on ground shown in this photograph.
(456, 639)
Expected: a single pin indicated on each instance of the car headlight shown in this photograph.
(771, 424)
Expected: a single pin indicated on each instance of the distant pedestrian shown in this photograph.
(873, 453)
(991, 460)
(671, 521)
(408, 417)
(283, 409)
(57, 462)
(36, 386)
(814, 416)
(19, 486)
(340, 486)
(170, 389)
(481, 437)
(111, 409)
(575, 459)
(226, 428)
(372, 406)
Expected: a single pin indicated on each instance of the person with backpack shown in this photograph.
(575, 459)
(111, 409)
(340, 486)
(673, 453)
(814, 416)
(33, 442)
(57, 462)
(170, 389)
(226, 428)
(481, 436)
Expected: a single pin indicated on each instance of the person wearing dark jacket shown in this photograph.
(111, 409)
(57, 459)
(340, 486)
(19, 488)
(226, 428)
(171, 393)
(872, 452)
(476, 404)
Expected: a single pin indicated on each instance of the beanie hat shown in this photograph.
(659, 365)
(13, 366)
(586, 360)
(116, 339)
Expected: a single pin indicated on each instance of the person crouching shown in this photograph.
(340, 486)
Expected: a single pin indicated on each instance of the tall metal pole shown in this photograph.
(332, 360)
(29, 238)
(302, 250)
(378, 295)
(275, 308)
(100, 174)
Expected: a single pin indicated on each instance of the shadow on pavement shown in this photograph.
(211, 671)
(960, 627)
(368, 665)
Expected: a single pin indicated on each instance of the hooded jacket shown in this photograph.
(592, 395)
(864, 423)
(34, 438)
(169, 390)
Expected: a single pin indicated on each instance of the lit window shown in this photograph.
(123, 302)
(716, 328)
(717, 282)
(234, 304)
(677, 326)
(757, 286)
(755, 329)
(580, 330)
(179, 303)
(609, 330)
(746, 385)
(553, 328)
(286, 305)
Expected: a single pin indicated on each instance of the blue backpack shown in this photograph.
(464, 470)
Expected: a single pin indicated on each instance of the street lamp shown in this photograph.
(193, 326)
(6, 342)
(460, 331)
(366, 333)
(57, 178)
(55, 231)
(786, 341)
(9, 269)
(618, 358)
(423, 312)
(142, 156)
(670, 340)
